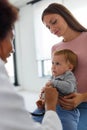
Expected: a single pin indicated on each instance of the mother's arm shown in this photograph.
(71, 101)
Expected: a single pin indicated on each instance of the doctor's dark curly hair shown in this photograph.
(8, 16)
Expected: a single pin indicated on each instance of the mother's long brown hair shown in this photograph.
(56, 8)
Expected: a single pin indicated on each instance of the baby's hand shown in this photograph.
(40, 104)
(48, 83)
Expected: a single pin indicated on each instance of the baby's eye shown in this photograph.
(52, 63)
(57, 63)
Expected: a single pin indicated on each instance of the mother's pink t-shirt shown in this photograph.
(79, 46)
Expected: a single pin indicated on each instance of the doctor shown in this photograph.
(13, 115)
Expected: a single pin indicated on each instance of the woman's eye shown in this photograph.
(54, 22)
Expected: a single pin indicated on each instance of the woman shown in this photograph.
(13, 115)
(60, 21)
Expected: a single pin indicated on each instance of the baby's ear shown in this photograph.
(71, 67)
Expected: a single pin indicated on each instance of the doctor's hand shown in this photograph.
(50, 98)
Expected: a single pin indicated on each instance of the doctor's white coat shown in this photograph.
(14, 116)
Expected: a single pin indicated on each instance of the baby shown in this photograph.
(64, 63)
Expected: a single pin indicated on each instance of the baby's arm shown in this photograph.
(66, 85)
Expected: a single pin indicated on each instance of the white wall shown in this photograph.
(25, 49)
(25, 44)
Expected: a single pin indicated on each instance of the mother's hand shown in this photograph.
(71, 101)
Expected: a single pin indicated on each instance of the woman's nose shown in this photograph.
(51, 29)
